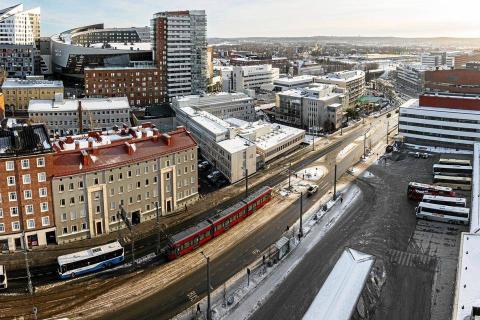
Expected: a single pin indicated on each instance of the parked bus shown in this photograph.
(3, 277)
(446, 201)
(452, 170)
(91, 260)
(460, 183)
(436, 212)
(459, 162)
(417, 190)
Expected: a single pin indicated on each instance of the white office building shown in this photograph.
(288, 83)
(222, 105)
(353, 81)
(449, 121)
(18, 26)
(253, 77)
(317, 108)
(74, 116)
(234, 146)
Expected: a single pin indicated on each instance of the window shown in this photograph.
(146, 169)
(29, 209)
(81, 198)
(42, 192)
(167, 176)
(45, 221)
(120, 189)
(192, 180)
(155, 179)
(139, 185)
(61, 188)
(11, 180)
(2, 227)
(167, 163)
(72, 200)
(112, 205)
(15, 225)
(27, 194)
(12, 196)
(84, 226)
(83, 214)
(70, 186)
(73, 215)
(64, 216)
(129, 173)
(95, 181)
(98, 209)
(30, 224)
(120, 176)
(186, 169)
(74, 228)
(65, 230)
(9, 166)
(80, 184)
(42, 177)
(44, 206)
(13, 211)
(41, 162)
(25, 164)
(26, 179)
(137, 172)
(62, 202)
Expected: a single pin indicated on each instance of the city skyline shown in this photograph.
(266, 18)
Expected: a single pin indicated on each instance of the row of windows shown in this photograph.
(27, 194)
(28, 209)
(434, 126)
(439, 135)
(417, 116)
(25, 164)
(27, 179)
(30, 224)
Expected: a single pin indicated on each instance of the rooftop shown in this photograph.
(209, 99)
(293, 80)
(98, 151)
(343, 75)
(141, 46)
(23, 140)
(72, 104)
(19, 83)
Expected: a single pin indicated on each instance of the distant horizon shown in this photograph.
(271, 18)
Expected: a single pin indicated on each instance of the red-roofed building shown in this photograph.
(95, 174)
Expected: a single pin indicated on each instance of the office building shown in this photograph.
(316, 108)
(17, 60)
(26, 165)
(142, 84)
(281, 63)
(234, 146)
(301, 68)
(19, 26)
(442, 120)
(18, 93)
(288, 83)
(134, 168)
(179, 47)
(75, 116)
(222, 105)
(453, 81)
(411, 77)
(353, 81)
(253, 77)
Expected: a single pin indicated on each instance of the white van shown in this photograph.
(3, 277)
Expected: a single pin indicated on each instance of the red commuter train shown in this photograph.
(195, 236)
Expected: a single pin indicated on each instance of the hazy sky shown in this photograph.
(242, 18)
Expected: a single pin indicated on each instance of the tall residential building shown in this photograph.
(353, 81)
(411, 77)
(18, 26)
(179, 45)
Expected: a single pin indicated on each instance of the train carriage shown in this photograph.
(189, 239)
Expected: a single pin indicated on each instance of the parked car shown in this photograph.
(312, 189)
(3, 277)
(214, 176)
(204, 165)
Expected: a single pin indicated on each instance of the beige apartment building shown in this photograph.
(18, 93)
(96, 174)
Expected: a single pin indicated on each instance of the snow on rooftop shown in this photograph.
(31, 83)
(467, 292)
(340, 292)
(72, 104)
(234, 145)
(342, 75)
(142, 46)
(293, 80)
(278, 134)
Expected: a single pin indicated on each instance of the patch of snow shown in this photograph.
(438, 149)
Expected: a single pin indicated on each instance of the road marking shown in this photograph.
(192, 296)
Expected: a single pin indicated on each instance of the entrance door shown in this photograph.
(169, 205)
(51, 237)
(18, 244)
(136, 217)
(99, 227)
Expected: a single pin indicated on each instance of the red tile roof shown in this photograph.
(119, 153)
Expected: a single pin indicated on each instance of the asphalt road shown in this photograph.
(382, 224)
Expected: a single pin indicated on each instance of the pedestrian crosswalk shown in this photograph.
(414, 260)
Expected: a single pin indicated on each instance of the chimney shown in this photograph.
(156, 133)
(60, 144)
(167, 138)
(130, 148)
(90, 142)
(85, 158)
(69, 139)
(144, 134)
(146, 125)
(77, 145)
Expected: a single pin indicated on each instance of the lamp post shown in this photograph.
(300, 233)
(158, 227)
(209, 312)
(335, 183)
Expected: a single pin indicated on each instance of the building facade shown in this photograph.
(288, 83)
(316, 109)
(411, 77)
(142, 85)
(26, 166)
(18, 93)
(253, 77)
(441, 120)
(453, 81)
(19, 26)
(17, 60)
(179, 45)
(222, 105)
(99, 34)
(353, 81)
(134, 168)
(75, 116)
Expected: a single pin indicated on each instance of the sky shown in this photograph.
(280, 18)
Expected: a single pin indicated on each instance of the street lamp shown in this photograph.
(300, 233)
(209, 312)
(158, 227)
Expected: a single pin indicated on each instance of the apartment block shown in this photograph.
(353, 81)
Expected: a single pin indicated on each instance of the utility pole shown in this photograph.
(387, 131)
(209, 311)
(246, 183)
(300, 233)
(29, 275)
(335, 183)
(289, 174)
(313, 143)
(123, 215)
(365, 145)
(158, 227)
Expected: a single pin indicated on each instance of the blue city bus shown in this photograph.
(91, 260)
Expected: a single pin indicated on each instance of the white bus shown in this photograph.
(452, 170)
(3, 277)
(91, 260)
(436, 212)
(460, 162)
(446, 201)
(460, 183)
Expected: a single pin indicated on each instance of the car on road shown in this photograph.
(3, 277)
(312, 189)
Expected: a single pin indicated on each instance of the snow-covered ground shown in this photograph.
(438, 149)
(345, 151)
(312, 173)
(245, 299)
